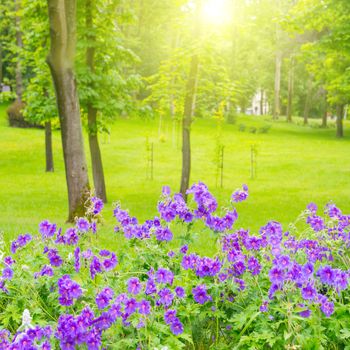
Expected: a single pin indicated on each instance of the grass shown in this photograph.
(295, 165)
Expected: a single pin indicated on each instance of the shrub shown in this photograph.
(274, 289)
(16, 118)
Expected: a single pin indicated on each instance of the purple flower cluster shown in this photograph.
(240, 195)
(68, 290)
(96, 205)
(20, 242)
(175, 324)
(31, 339)
(104, 297)
(132, 229)
(53, 256)
(200, 294)
(202, 266)
(46, 270)
(98, 265)
(47, 229)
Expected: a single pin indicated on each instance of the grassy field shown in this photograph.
(295, 165)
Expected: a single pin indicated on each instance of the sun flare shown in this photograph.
(217, 12)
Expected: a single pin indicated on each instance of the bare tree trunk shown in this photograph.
(189, 107)
(307, 102)
(278, 64)
(290, 90)
(95, 152)
(19, 78)
(261, 102)
(62, 17)
(324, 116)
(48, 147)
(340, 114)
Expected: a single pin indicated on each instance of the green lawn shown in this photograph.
(296, 165)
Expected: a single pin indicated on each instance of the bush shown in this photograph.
(16, 118)
(276, 289)
(231, 117)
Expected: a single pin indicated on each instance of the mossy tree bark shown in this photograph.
(62, 17)
(95, 152)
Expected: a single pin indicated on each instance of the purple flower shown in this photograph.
(95, 266)
(341, 280)
(316, 222)
(104, 297)
(151, 287)
(166, 297)
(110, 263)
(176, 327)
(83, 225)
(71, 236)
(130, 306)
(312, 207)
(7, 273)
(264, 306)
(164, 276)
(309, 292)
(77, 259)
(240, 195)
(46, 271)
(326, 274)
(97, 205)
(163, 234)
(55, 259)
(47, 229)
(166, 191)
(20, 242)
(68, 290)
(134, 285)
(327, 308)
(180, 292)
(144, 307)
(276, 275)
(8, 260)
(200, 294)
(169, 316)
(184, 249)
(254, 266)
(305, 313)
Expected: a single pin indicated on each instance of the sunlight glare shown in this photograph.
(216, 12)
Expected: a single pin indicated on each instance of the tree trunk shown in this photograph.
(340, 113)
(290, 90)
(19, 78)
(95, 153)
(324, 116)
(261, 102)
(189, 107)
(62, 17)
(277, 107)
(48, 147)
(1, 66)
(307, 101)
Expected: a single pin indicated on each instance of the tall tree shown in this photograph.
(96, 159)
(189, 108)
(39, 96)
(62, 17)
(19, 41)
